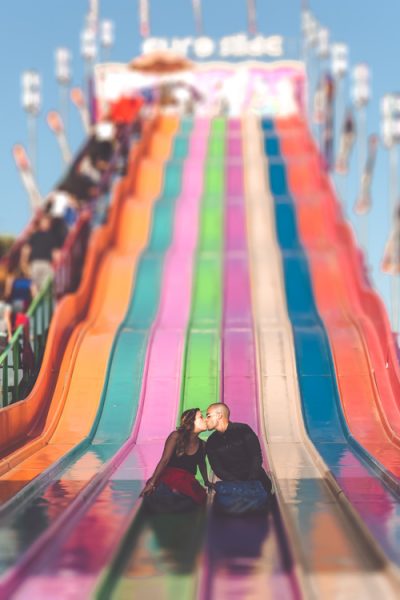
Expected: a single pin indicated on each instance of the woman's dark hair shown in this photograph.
(185, 429)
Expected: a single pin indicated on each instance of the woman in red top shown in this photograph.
(183, 453)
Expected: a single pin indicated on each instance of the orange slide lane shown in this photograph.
(61, 409)
(367, 392)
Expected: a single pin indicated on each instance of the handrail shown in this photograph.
(33, 333)
(67, 273)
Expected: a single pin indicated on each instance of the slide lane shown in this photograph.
(348, 566)
(369, 498)
(248, 557)
(80, 468)
(358, 326)
(160, 556)
(107, 514)
(83, 367)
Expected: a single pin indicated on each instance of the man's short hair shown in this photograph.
(220, 407)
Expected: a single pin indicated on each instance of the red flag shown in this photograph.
(363, 203)
(391, 257)
(28, 179)
(319, 102)
(79, 100)
(56, 124)
(327, 127)
(125, 109)
(198, 16)
(346, 143)
(144, 18)
(252, 17)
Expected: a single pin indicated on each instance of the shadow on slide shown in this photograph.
(156, 546)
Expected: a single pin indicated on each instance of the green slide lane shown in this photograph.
(166, 547)
(201, 384)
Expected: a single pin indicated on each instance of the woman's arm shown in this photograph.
(169, 449)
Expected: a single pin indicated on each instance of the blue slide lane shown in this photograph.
(359, 476)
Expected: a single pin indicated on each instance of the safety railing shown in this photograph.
(20, 361)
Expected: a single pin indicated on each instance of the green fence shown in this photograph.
(19, 363)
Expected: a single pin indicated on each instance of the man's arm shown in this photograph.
(253, 451)
(220, 471)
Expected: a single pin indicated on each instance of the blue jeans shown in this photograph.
(240, 497)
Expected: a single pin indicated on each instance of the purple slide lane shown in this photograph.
(246, 557)
(137, 458)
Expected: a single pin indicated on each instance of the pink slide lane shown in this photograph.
(236, 565)
(79, 550)
(239, 385)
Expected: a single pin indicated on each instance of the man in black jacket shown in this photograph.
(233, 449)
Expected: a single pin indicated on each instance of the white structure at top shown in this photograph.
(323, 49)
(31, 92)
(239, 45)
(88, 44)
(310, 28)
(63, 66)
(107, 33)
(361, 91)
(390, 109)
(340, 60)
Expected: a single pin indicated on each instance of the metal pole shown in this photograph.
(198, 17)
(393, 199)
(64, 104)
(86, 87)
(362, 145)
(105, 54)
(32, 137)
(340, 106)
(396, 292)
(312, 86)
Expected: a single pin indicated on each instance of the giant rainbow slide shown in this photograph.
(226, 272)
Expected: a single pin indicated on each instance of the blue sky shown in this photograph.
(30, 32)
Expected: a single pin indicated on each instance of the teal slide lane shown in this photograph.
(41, 502)
(361, 481)
(171, 556)
(182, 139)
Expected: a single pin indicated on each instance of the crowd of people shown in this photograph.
(36, 258)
